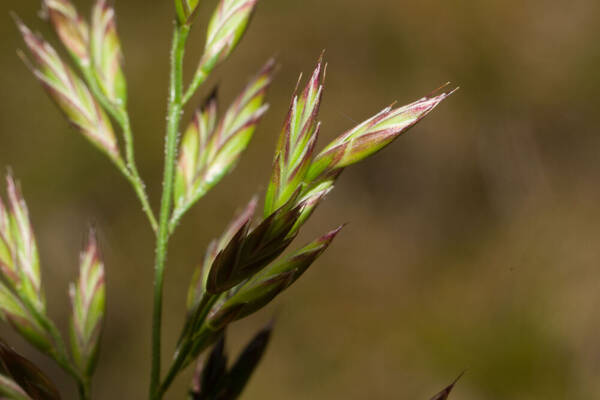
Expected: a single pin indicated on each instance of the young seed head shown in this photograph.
(225, 30)
(240, 224)
(213, 378)
(19, 261)
(192, 153)
(107, 56)
(297, 141)
(263, 287)
(248, 300)
(246, 363)
(71, 28)
(209, 150)
(250, 250)
(71, 94)
(88, 302)
(210, 373)
(301, 260)
(371, 136)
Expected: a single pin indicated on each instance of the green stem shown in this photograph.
(181, 361)
(174, 116)
(197, 342)
(136, 180)
(130, 171)
(180, 211)
(84, 389)
(199, 78)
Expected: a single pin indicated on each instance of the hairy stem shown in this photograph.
(198, 80)
(135, 179)
(130, 170)
(174, 117)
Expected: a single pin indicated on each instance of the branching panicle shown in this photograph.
(247, 266)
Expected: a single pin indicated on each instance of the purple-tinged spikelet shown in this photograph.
(19, 261)
(107, 55)
(88, 303)
(238, 227)
(264, 286)
(71, 94)
(372, 135)
(20, 278)
(296, 145)
(211, 149)
(225, 29)
(71, 28)
(24, 376)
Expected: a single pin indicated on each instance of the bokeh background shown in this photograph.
(473, 240)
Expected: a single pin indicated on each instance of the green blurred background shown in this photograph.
(472, 241)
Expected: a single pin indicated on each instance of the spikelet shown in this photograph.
(88, 307)
(211, 148)
(71, 94)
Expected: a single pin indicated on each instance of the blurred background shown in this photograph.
(473, 240)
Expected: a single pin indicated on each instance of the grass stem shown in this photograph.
(174, 116)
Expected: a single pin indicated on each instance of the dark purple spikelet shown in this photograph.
(26, 375)
(264, 286)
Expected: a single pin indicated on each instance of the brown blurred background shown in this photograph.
(473, 239)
